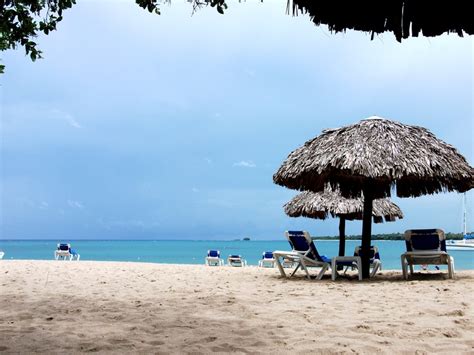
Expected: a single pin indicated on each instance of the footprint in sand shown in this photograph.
(156, 342)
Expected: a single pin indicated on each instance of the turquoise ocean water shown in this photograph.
(194, 251)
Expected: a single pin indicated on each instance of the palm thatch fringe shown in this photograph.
(320, 205)
(431, 18)
(377, 154)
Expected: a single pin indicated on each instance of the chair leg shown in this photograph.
(303, 266)
(334, 269)
(375, 268)
(451, 267)
(296, 269)
(280, 267)
(323, 270)
(404, 267)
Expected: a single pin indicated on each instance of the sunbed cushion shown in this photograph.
(425, 242)
(213, 254)
(268, 255)
(63, 247)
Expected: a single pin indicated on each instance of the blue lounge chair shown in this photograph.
(304, 254)
(375, 262)
(236, 260)
(267, 260)
(64, 252)
(213, 258)
(349, 262)
(426, 247)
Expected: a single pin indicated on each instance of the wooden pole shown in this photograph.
(342, 239)
(366, 233)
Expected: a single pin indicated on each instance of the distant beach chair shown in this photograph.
(304, 254)
(2, 254)
(236, 260)
(267, 259)
(64, 252)
(213, 258)
(375, 262)
(426, 247)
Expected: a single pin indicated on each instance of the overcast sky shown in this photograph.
(171, 127)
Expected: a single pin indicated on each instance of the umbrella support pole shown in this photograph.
(342, 239)
(366, 233)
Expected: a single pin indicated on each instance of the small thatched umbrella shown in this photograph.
(404, 18)
(372, 157)
(320, 205)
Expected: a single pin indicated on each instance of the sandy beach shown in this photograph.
(52, 307)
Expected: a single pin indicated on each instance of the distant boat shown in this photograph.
(467, 242)
(246, 238)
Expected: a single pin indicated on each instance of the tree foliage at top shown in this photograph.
(22, 20)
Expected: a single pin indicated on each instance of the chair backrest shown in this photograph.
(235, 256)
(214, 253)
(64, 247)
(301, 242)
(374, 252)
(267, 255)
(425, 240)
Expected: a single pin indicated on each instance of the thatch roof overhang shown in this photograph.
(404, 18)
(320, 205)
(381, 153)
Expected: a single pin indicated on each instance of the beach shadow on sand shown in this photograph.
(385, 276)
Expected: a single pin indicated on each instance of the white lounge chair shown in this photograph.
(213, 258)
(304, 254)
(375, 262)
(236, 260)
(267, 259)
(64, 252)
(426, 247)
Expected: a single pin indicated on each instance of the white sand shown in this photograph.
(57, 306)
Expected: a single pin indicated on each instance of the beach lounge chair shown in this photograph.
(236, 260)
(213, 258)
(355, 262)
(426, 247)
(304, 254)
(375, 262)
(267, 260)
(64, 252)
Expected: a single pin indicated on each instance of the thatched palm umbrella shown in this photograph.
(320, 205)
(404, 18)
(372, 157)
